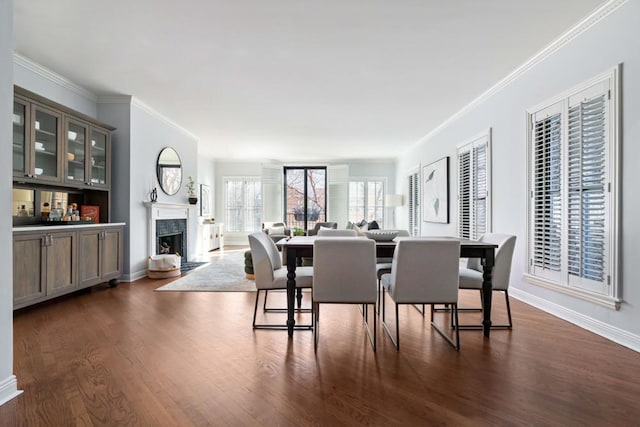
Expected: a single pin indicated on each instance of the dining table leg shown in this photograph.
(291, 289)
(487, 290)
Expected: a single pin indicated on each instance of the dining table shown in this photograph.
(297, 247)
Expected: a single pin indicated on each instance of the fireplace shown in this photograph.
(171, 237)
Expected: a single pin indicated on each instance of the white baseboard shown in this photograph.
(605, 330)
(9, 389)
(133, 276)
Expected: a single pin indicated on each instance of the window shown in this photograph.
(414, 202)
(572, 188)
(474, 203)
(366, 200)
(305, 196)
(243, 204)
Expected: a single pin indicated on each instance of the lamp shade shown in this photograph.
(393, 200)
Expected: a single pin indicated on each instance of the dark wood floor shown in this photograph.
(132, 356)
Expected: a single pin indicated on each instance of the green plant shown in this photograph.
(298, 232)
(191, 187)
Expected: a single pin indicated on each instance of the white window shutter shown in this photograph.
(338, 194)
(474, 202)
(272, 192)
(586, 194)
(414, 203)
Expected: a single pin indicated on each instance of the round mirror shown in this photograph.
(169, 171)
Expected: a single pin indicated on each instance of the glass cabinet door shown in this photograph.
(76, 152)
(20, 138)
(46, 130)
(98, 162)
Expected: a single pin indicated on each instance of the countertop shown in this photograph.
(26, 228)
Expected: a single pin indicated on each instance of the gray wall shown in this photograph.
(613, 40)
(150, 133)
(8, 383)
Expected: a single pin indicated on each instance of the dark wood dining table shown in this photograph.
(302, 246)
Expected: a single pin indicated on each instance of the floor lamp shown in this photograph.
(393, 201)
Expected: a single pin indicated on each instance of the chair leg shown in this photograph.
(255, 308)
(372, 338)
(316, 315)
(506, 300)
(277, 326)
(493, 326)
(395, 340)
(266, 294)
(456, 343)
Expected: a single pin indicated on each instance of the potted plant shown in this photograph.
(191, 191)
(298, 213)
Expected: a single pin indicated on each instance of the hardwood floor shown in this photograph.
(132, 356)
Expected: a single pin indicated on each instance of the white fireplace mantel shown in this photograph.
(158, 210)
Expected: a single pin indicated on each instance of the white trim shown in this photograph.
(605, 330)
(114, 99)
(137, 103)
(560, 103)
(595, 17)
(159, 211)
(603, 300)
(9, 389)
(52, 76)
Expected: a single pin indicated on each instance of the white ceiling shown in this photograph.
(294, 79)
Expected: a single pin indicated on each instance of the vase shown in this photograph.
(193, 200)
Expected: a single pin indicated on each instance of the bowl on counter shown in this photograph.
(381, 235)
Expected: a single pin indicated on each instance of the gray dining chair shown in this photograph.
(471, 276)
(270, 274)
(423, 271)
(383, 266)
(344, 272)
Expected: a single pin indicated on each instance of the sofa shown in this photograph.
(276, 230)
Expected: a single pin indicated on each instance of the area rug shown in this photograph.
(225, 273)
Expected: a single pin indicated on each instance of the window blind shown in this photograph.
(473, 188)
(586, 189)
(547, 195)
(414, 203)
(573, 192)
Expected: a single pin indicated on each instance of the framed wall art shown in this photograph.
(435, 191)
(205, 200)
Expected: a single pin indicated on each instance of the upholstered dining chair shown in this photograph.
(424, 271)
(344, 272)
(471, 276)
(331, 232)
(270, 274)
(383, 266)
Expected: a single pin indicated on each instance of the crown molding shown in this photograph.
(52, 76)
(137, 103)
(114, 99)
(595, 17)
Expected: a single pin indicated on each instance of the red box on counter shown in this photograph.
(90, 211)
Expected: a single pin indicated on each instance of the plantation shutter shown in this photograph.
(414, 203)
(547, 194)
(573, 184)
(473, 188)
(272, 192)
(586, 192)
(464, 195)
(480, 191)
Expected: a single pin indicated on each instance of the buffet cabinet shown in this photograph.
(49, 261)
(55, 145)
(212, 237)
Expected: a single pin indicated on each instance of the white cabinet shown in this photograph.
(212, 237)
